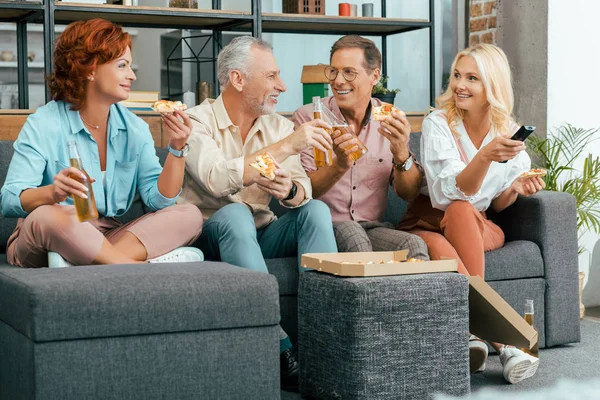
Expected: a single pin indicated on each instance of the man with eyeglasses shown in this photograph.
(357, 191)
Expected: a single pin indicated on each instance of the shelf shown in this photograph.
(36, 64)
(153, 17)
(326, 24)
(13, 11)
(31, 28)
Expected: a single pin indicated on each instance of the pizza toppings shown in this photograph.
(167, 106)
(533, 173)
(380, 113)
(265, 165)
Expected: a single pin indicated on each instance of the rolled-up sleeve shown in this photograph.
(442, 164)
(148, 172)
(207, 165)
(25, 171)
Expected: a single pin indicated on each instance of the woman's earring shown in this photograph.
(91, 78)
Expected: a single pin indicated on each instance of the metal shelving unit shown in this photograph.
(216, 20)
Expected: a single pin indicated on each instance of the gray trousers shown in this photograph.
(352, 236)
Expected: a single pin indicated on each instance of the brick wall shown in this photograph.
(482, 21)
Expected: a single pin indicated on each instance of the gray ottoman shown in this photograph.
(402, 337)
(158, 331)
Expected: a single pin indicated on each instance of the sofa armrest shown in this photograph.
(549, 219)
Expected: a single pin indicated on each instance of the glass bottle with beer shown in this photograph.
(85, 208)
(529, 318)
(323, 159)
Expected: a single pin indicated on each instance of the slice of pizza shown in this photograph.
(265, 165)
(380, 113)
(533, 173)
(167, 106)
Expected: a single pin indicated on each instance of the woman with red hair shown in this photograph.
(92, 73)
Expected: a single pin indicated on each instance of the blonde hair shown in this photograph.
(495, 74)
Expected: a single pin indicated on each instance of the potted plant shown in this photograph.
(381, 91)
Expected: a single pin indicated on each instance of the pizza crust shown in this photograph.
(167, 106)
(380, 113)
(265, 165)
(533, 173)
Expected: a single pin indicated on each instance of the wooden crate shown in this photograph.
(304, 6)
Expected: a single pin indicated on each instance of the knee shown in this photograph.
(315, 212)
(51, 219)
(234, 219)
(418, 246)
(190, 216)
(459, 209)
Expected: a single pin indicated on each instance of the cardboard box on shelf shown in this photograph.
(491, 318)
(314, 74)
(378, 263)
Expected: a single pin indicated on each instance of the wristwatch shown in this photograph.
(293, 192)
(180, 153)
(404, 167)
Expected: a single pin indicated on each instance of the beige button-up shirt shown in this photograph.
(214, 167)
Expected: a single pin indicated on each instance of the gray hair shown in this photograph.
(236, 56)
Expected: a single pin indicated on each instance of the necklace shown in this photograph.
(88, 124)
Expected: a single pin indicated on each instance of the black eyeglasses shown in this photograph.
(348, 73)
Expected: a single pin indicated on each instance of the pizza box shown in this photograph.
(379, 263)
(314, 74)
(491, 318)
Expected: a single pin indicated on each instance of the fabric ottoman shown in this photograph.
(386, 337)
(147, 331)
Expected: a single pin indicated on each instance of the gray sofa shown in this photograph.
(538, 261)
(210, 329)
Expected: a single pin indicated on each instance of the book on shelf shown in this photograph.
(137, 105)
(143, 96)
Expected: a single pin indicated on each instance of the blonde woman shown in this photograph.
(463, 144)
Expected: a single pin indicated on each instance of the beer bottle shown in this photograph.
(528, 316)
(322, 159)
(85, 208)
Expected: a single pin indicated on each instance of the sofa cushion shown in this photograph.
(119, 300)
(516, 260)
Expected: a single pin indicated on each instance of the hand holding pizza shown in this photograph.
(396, 129)
(280, 186)
(529, 182)
(179, 128)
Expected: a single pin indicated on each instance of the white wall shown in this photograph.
(573, 87)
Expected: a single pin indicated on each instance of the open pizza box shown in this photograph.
(491, 318)
(377, 263)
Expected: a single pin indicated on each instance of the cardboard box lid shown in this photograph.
(314, 74)
(384, 263)
(491, 318)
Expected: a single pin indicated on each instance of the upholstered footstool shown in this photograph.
(403, 337)
(156, 331)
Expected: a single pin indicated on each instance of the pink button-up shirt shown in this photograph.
(361, 194)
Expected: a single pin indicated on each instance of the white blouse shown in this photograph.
(442, 164)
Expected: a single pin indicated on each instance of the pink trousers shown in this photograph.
(56, 228)
(466, 234)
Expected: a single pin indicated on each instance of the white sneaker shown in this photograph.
(55, 260)
(517, 365)
(478, 352)
(181, 254)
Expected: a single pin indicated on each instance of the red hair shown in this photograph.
(79, 50)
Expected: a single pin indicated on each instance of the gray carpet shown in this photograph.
(578, 361)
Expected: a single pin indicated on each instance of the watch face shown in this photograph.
(408, 163)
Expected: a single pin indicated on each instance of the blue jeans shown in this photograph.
(231, 236)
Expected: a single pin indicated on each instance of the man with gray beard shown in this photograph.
(227, 135)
